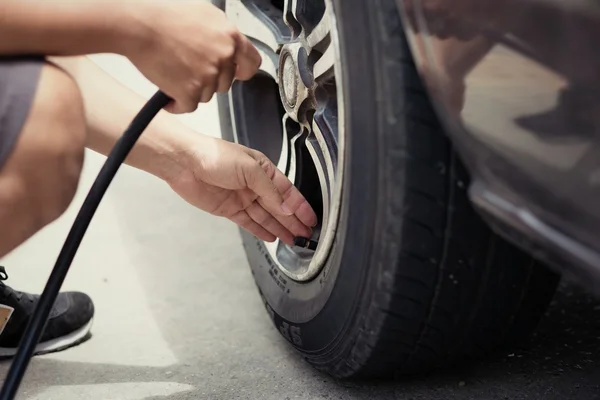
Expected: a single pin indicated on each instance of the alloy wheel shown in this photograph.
(292, 112)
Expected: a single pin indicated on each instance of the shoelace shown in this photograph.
(8, 291)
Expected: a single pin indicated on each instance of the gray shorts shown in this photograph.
(18, 83)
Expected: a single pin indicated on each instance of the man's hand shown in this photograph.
(241, 184)
(187, 48)
(191, 51)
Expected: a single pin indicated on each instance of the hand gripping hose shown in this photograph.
(36, 325)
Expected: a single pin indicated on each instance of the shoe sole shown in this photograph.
(51, 346)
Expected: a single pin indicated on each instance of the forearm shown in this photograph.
(53, 27)
(110, 107)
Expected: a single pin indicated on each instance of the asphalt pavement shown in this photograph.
(178, 315)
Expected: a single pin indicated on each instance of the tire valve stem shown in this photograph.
(305, 242)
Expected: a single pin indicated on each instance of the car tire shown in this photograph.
(415, 279)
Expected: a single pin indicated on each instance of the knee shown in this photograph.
(49, 153)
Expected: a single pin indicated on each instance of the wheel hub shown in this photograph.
(289, 80)
(295, 79)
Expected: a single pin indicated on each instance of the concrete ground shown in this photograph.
(178, 316)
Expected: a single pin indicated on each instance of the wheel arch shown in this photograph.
(517, 199)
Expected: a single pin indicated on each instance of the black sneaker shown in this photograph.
(69, 323)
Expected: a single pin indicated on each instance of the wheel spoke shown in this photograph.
(303, 15)
(323, 150)
(320, 32)
(292, 14)
(261, 23)
(292, 141)
(270, 62)
(319, 157)
(324, 134)
(264, 26)
(324, 67)
(284, 157)
(297, 137)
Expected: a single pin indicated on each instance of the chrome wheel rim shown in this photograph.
(299, 46)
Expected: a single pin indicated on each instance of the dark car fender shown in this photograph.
(516, 84)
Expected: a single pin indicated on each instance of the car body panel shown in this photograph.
(517, 84)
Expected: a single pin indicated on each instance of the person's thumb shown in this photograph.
(181, 107)
(256, 174)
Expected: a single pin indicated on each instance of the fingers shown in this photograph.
(178, 107)
(187, 103)
(247, 58)
(244, 66)
(280, 197)
(294, 215)
(293, 199)
(259, 182)
(263, 218)
(243, 219)
(226, 77)
(284, 228)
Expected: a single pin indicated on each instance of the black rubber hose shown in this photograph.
(38, 321)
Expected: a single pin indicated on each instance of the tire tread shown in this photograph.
(420, 327)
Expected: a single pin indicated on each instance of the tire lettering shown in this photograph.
(291, 333)
(296, 335)
(274, 275)
(285, 331)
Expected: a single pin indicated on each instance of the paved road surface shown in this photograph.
(178, 316)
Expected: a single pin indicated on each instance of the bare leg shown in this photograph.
(40, 176)
(42, 137)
